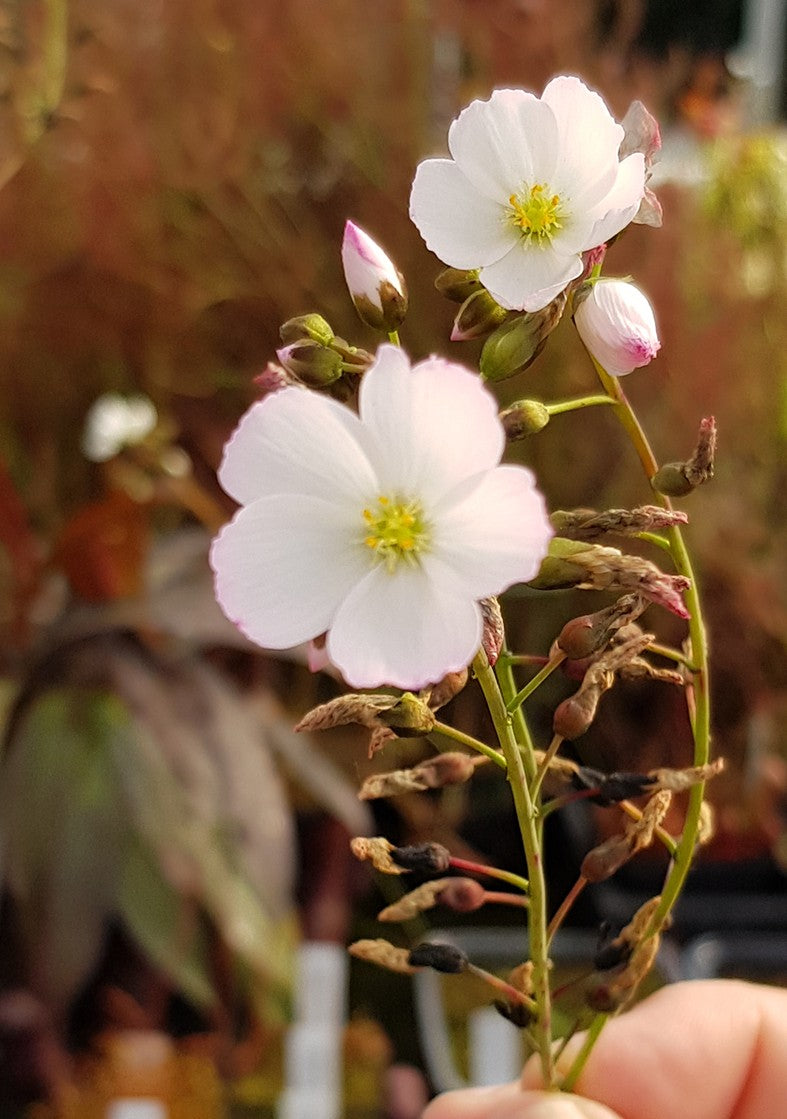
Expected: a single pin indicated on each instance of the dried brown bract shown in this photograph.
(451, 768)
(377, 851)
(587, 524)
(384, 954)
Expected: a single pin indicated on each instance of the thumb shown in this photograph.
(509, 1101)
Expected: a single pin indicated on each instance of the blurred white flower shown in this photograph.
(114, 422)
(617, 325)
(383, 530)
(533, 183)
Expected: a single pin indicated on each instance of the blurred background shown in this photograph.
(174, 180)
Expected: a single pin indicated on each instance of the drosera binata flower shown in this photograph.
(384, 530)
(531, 185)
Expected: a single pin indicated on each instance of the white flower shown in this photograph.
(115, 422)
(617, 325)
(384, 530)
(375, 284)
(533, 183)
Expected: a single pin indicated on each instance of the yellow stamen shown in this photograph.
(397, 530)
(536, 213)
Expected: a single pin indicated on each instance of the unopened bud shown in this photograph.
(458, 284)
(311, 362)
(616, 323)
(376, 286)
(312, 327)
(479, 315)
(517, 343)
(440, 957)
(524, 418)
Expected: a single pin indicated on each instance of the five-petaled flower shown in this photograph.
(384, 529)
(531, 185)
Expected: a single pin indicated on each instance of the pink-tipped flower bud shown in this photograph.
(376, 286)
(616, 322)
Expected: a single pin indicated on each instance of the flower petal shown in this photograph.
(461, 226)
(404, 629)
(433, 425)
(529, 277)
(284, 564)
(495, 535)
(622, 202)
(505, 143)
(296, 441)
(588, 138)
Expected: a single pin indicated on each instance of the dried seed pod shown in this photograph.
(587, 524)
(583, 636)
(678, 780)
(445, 958)
(607, 995)
(364, 710)
(420, 899)
(426, 858)
(521, 977)
(602, 861)
(463, 895)
(384, 954)
(451, 768)
(518, 1014)
(493, 634)
(444, 691)
(376, 850)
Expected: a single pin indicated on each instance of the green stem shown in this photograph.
(700, 722)
(577, 402)
(393, 336)
(527, 817)
(536, 682)
(467, 740)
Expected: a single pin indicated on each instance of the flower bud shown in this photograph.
(311, 326)
(525, 417)
(458, 284)
(376, 286)
(480, 314)
(616, 322)
(517, 343)
(312, 363)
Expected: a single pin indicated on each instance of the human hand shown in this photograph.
(710, 1049)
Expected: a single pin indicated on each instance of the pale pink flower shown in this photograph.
(384, 530)
(531, 185)
(617, 325)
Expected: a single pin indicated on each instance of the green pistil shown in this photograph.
(395, 530)
(537, 213)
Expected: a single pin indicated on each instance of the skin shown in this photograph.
(710, 1049)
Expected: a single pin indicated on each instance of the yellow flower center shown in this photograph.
(395, 530)
(537, 213)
